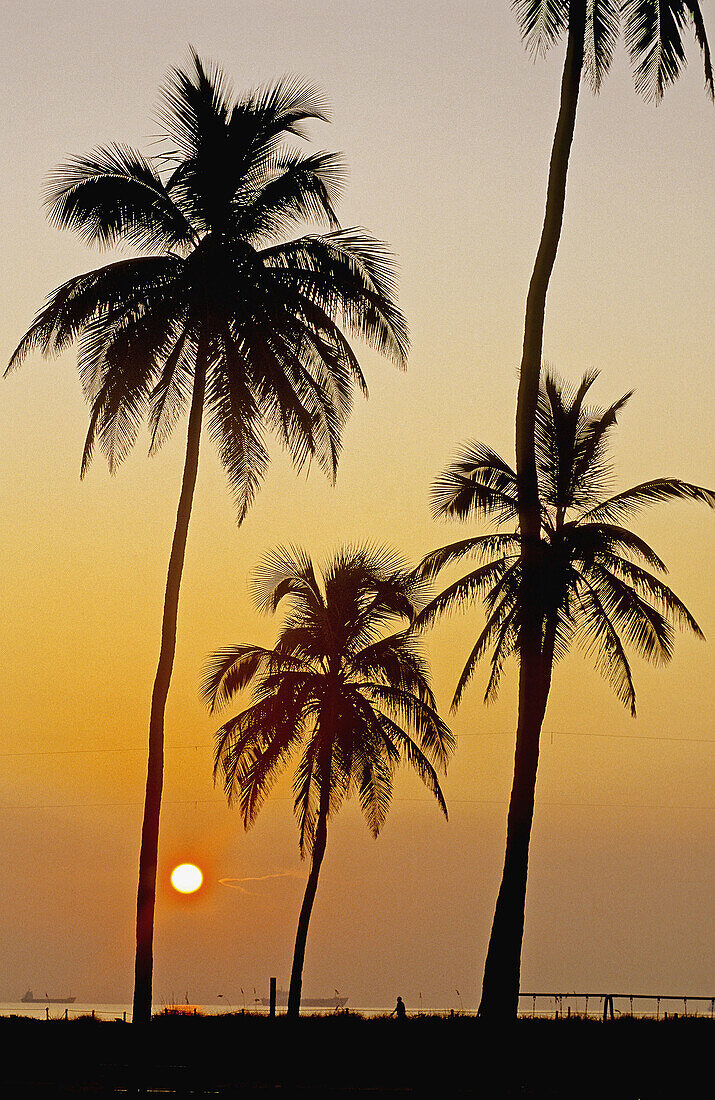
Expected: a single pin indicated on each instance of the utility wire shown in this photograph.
(460, 737)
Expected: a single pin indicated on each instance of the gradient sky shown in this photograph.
(446, 125)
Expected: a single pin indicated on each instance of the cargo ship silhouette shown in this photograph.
(306, 1002)
(28, 998)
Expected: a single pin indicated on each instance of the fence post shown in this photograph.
(272, 1008)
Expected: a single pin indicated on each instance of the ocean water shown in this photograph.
(123, 1011)
(57, 1011)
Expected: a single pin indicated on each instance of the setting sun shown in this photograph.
(186, 878)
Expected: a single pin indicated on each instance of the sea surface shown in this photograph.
(123, 1011)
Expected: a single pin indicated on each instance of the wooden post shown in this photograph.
(272, 1008)
(608, 1007)
(47, 1013)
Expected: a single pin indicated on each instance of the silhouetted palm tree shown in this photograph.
(335, 688)
(220, 313)
(653, 31)
(595, 588)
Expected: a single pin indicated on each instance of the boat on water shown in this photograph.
(29, 998)
(306, 1002)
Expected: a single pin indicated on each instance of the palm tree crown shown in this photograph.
(594, 586)
(652, 29)
(218, 297)
(336, 688)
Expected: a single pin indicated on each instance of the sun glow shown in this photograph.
(186, 878)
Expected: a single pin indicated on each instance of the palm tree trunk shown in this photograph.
(500, 988)
(146, 894)
(530, 369)
(321, 839)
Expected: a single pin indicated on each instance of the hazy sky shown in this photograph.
(446, 125)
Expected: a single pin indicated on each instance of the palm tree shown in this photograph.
(336, 688)
(221, 311)
(595, 588)
(653, 31)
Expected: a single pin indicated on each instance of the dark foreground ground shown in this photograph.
(345, 1057)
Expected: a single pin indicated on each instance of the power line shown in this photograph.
(481, 733)
(100, 749)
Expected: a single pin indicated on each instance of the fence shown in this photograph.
(616, 1004)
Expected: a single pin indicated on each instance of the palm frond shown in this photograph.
(195, 107)
(479, 482)
(643, 625)
(373, 771)
(603, 25)
(253, 749)
(434, 734)
(591, 580)
(479, 547)
(701, 38)
(289, 189)
(541, 22)
(104, 294)
(641, 496)
(415, 757)
(465, 590)
(504, 647)
(584, 542)
(235, 426)
(654, 589)
(498, 629)
(603, 642)
(352, 275)
(306, 790)
(393, 660)
(171, 392)
(591, 474)
(114, 195)
(128, 352)
(229, 671)
(284, 571)
(654, 36)
(285, 103)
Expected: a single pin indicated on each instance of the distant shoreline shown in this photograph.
(545, 1007)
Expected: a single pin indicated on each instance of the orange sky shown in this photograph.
(446, 126)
